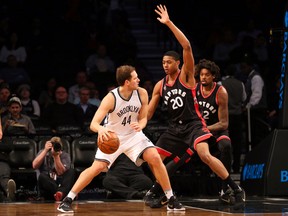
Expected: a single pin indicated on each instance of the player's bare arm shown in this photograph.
(153, 103)
(187, 70)
(107, 105)
(223, 117)
(142, 118)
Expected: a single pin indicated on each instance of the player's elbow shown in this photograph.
(225, 125)
(149, 116)
(150, 112)
(187, 46)
(92, 128)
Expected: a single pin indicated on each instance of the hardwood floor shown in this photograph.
(199, 207)
(86, 209)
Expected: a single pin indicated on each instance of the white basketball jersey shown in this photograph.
(125, 112)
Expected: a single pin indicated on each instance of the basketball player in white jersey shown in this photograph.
(125, 109)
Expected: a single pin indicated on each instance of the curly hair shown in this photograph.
(209, 65)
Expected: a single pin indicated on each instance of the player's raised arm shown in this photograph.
(187, 69)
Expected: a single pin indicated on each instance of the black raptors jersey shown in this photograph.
(181, 104)
(208, 104)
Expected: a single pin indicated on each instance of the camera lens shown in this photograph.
(56, 146)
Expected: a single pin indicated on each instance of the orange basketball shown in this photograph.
(111, 145)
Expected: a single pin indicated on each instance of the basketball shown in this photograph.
(111, 145)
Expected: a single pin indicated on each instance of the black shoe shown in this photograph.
(158, 203)
(227, 197)
(174, 205)
(240, 195)
(65, 205)
(149, 197)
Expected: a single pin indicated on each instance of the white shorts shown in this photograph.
(133, 145)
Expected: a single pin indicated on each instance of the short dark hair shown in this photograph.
(173, 54)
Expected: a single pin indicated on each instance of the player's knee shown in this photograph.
(98, 167)
(154, 160)
(224, 145)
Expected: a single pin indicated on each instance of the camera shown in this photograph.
(57, 146)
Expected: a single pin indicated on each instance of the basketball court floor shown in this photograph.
(208, 206)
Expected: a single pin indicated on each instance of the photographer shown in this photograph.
(54, 173)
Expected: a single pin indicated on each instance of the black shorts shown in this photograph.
(221, 135)
(175, 141)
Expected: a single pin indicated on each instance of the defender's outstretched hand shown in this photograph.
(163, 13)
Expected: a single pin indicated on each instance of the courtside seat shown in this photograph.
(83, 152)
(23, 152)
(70, 132)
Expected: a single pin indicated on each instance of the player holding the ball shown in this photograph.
(126, 108)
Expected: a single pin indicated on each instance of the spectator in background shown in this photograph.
(222, 49)
(4, 98)
(125, 180)
(101, 68)
(54, 173)
(261, 48)
(13, 47)
(14, 74)
(236, 97)
(73, 92)
(250, 30)
(15, 123)
(100, 62)
(86, 109)
(148, 85)
(61, 112)
(256, 97)
(46, 96)
(30, 107)
(94, 94)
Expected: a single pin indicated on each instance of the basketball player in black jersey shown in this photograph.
(187, 129)
(213, 102)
